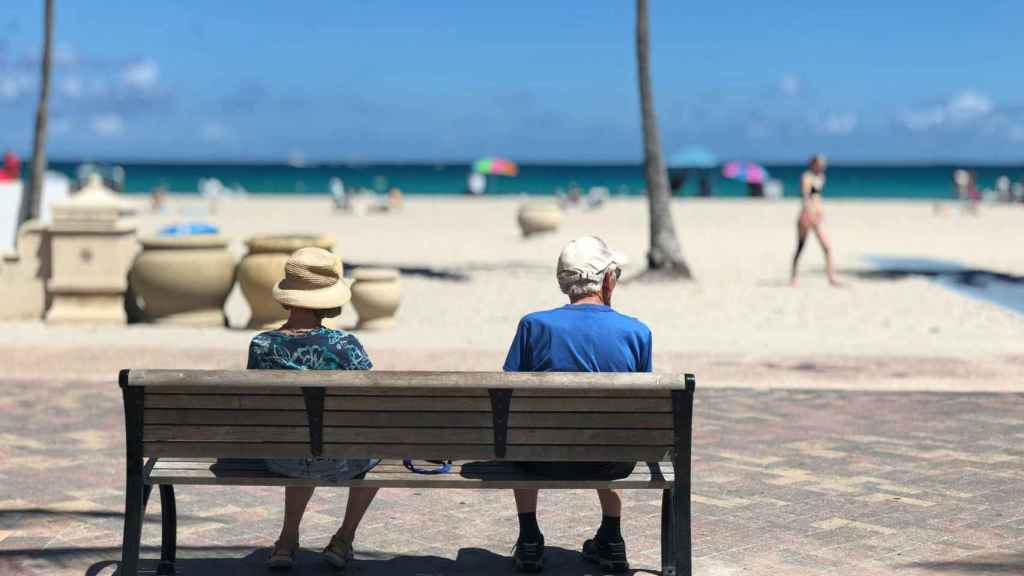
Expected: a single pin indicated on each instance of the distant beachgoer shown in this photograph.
(312, 290)
(1003, 192)
(973, 193)
(395, 199)
(342, 201)
(812, 184)
(12, 167)
(158, 198)
(755, 189)
(677, 180)
(476, 184)
(704, 185)
(961, 179)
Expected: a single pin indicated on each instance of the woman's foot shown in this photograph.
(338, 552)
(282, 557)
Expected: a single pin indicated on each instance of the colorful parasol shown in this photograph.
(748, 172)
(496, 167)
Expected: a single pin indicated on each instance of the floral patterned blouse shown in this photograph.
(317, 349)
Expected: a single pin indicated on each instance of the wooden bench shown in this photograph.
(214, 427)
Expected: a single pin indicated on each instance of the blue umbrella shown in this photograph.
(188, 229)
(693, 157)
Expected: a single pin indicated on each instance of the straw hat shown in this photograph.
(312, 279)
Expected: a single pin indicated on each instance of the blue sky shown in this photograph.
(891, 81)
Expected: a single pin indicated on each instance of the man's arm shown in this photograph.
(517, 359)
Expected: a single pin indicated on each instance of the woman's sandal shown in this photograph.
(338, 552)
(281, 558)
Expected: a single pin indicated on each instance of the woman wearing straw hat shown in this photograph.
(312, 290)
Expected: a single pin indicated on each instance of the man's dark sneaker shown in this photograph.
(610, 555)
(529, 556)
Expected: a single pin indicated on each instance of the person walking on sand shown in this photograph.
(312, 290)
(585, 335)
(812, 184)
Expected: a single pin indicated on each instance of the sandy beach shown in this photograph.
(470, 276)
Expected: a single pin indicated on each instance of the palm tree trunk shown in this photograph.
(665, 254)
(32, 194)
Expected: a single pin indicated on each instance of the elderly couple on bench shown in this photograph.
(583, 336)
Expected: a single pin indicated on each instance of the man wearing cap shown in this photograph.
(585, 335)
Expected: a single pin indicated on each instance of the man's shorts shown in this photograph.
(580, 470)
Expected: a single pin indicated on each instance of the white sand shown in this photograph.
(739, 323)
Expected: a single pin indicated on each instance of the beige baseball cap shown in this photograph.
(586, 258)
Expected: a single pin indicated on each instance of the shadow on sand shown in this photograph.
(999, 288)
(470, 561)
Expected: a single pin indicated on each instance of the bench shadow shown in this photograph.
(1010, 563)
(470, 561)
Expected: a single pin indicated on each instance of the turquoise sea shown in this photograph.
(860, 181)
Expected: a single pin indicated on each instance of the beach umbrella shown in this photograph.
(693, 157)
(492, 166)
(748, 172)
(188, 229)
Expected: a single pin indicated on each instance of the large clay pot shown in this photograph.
(183, 279)
(539, 216)
(375, 295)
(263, 267)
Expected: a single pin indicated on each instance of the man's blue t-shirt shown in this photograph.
(580, 338)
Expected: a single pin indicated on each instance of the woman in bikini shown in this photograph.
(812, 183)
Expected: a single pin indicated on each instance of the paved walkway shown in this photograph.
(786, 482)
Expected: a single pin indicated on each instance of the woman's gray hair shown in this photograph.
(577, 286)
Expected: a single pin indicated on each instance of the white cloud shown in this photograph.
(964, 107)
(837, 124)
(790, 85)
(13, 87)
(70, 87)
(65, 55)
(968, 105)
(214, 132)
(59, 126)
(108, 124)
(143, 76)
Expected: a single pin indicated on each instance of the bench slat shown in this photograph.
(408, 404)
(596, 420)
(392, 474)
(405, 391)
(604, 437)
(404, 379)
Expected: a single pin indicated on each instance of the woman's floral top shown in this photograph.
(317, 349)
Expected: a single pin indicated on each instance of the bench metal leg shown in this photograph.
(168, 531)
(668, 567)
(134, 507)
(682, 548)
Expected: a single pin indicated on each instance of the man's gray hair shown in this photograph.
(577, 285)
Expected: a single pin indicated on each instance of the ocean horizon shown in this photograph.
(907, 181)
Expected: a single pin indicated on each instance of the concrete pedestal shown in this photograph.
(91, 249)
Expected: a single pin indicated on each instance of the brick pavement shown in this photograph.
(786, 482)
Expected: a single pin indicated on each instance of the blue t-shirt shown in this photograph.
(580, 338)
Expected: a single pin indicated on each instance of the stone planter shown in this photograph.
(183, 279)
(375, 295)
(539, 216)
(263, 267)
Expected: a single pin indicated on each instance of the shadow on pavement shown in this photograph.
(987, 564)
(474, 561)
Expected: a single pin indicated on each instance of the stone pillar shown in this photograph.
(91, 249)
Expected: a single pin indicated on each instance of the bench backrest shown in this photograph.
(424, 415)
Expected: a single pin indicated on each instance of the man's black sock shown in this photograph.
(529, 531)
(610, 529)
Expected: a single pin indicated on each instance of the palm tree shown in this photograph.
(31, 195)
(665, 255)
